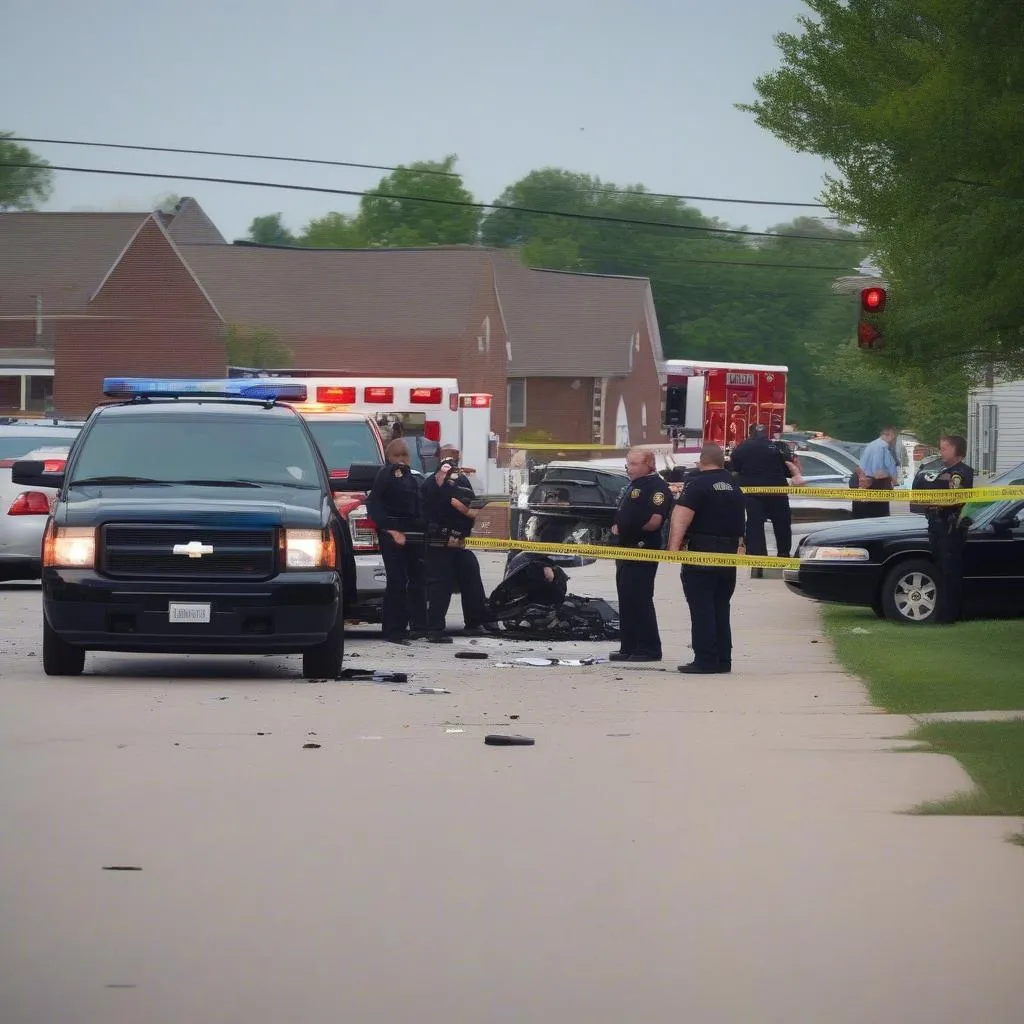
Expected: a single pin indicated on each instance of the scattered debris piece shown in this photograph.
(122, 867)
(499, 740)
(222, 698)
(310, 746)
(262, 734)
(455, 730)
(545, 662)
(860, 631)
(433, 689)
(471, 654)
(513, 717)
(374, 675)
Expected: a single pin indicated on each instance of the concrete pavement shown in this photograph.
(709, 849)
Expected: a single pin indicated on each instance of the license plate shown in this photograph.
(189, 612)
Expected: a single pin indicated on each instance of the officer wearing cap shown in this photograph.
(394, 505)
(760, 462)
(708, 517)
(947, 531)
(638, 524)
(450, 517)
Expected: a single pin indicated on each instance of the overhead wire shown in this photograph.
(384, 167)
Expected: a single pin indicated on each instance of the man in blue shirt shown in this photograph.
(878, 471)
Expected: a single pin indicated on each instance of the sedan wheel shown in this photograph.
(910, 593)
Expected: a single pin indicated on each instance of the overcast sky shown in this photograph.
(643, 92)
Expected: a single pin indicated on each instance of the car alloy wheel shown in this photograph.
(915, 596)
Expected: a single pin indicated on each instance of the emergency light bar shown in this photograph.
(228, 387)
(475, 401)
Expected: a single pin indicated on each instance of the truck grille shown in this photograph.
(147, 552)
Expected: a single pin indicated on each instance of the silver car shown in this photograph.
(24, 511)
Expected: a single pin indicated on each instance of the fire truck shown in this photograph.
(712, 402)
(430, 409)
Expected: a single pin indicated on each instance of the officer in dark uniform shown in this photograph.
(709, 517)
(447, 507)
(638, 522)
(394, 506)
(760, 462)
(947, 532)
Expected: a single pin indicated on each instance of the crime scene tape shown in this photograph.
(705, 558)
(921, 497)
(548, 446)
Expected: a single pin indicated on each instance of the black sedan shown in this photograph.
(887, 565)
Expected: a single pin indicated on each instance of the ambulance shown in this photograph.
(427, 411)
(718, 402)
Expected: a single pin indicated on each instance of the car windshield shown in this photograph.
(13, 446)
(271, 450)
(344, 442)
(983, 513)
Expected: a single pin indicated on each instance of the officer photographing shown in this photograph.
(394, 505)
(947, 531)
(709, 517)
(638, 524)
(761, 462)
(447, 505)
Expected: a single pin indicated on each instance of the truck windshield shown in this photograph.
(269, 450)
(343, 442)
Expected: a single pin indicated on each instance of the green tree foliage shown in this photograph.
(333, 231)
(22, 188)
(256, 348)
(920, 106)
(270, 230)
(391, 215)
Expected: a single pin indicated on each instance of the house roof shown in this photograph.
(64, 256)
(561, 322)
(393, 293)
(59, 256)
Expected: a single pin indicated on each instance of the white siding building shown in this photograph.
(995, 426)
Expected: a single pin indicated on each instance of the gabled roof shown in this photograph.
(188, 224)
(389, 293)
(568, 324)
(59, 256)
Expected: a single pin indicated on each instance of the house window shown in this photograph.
(989, 436)
(517, 402)
(39, 394)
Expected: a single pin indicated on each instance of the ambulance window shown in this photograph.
(344, 442)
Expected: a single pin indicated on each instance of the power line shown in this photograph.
(602, 218)
(384, 167)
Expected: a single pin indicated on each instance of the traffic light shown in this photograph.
(872, 303)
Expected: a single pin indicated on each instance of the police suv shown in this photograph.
(193, 517)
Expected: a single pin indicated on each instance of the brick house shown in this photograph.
(51, 265)
(575, 356)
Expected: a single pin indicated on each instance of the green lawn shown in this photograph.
(972, 666)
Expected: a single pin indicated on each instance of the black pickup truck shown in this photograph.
(193, 524)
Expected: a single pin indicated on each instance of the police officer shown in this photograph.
(394, 506)
(638, 524)
(447, 497)
(760, 462)
(946, 530)
(709, 517)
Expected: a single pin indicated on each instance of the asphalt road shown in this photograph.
(672, 849)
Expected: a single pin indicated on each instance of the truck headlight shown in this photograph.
(310, 549)
(69, 547)
(816, 553)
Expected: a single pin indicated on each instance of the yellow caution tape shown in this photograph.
(706, 558)
(936, 498)
(548, 446)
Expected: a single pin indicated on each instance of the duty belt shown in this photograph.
(446, 539)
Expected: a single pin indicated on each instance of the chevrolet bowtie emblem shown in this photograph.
(194, 549)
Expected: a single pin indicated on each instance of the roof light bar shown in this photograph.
(228, 387)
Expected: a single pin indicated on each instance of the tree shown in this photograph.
(22, 188)
(270, 230)
(167, 202)
(255, 347)
(333, 231)
(920, 106)
(394, 213)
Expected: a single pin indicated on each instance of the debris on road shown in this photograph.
(310, 746)
(122, 867)
(498, 740)
(471, 654)
(433, 689)
(571, 662)
(374, 675)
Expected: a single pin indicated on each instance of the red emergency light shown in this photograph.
(426, 396)
(336, 396)
(382, 396)
(339, 474)
(432, 431)
(872, 300)
(475, 401)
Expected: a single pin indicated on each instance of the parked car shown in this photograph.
(23, 510)
(887, 565)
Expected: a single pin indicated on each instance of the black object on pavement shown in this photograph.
(504, 740)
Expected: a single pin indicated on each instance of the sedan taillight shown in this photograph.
(30, 503)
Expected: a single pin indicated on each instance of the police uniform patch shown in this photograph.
(956, 481)
(658, 498)
(398, 472)
(635, 493)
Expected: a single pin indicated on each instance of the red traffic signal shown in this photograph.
(872, 300)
